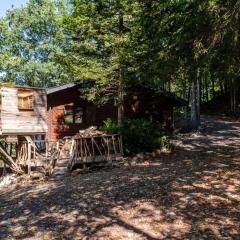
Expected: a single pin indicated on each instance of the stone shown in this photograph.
(154, 154)
(171, 215)
(140, 155)
(158, 152)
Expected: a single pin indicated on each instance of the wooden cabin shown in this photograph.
(157, 106)
(23, 110)
(68, 112)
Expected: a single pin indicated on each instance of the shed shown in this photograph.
(23, 110)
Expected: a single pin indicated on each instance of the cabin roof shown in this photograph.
(62, 87)
(81, 84)
(157, 94)
(11, 85)
(143, 90)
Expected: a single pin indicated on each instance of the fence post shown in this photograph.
(29, 158)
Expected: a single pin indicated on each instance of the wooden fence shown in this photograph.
(105, 148)
(30, 153)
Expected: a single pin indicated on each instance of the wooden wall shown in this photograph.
(93, 115)
(18, 122)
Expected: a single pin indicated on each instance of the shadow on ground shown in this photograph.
(191, 194)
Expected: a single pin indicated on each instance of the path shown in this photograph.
(191, 194)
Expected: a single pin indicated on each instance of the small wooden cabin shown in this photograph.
(68, 112)
(23, 110)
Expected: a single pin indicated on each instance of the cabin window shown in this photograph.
(73, 115)
(25, 100)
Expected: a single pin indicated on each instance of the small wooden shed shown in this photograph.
(23, 118)
(68, 112)
(23, 110)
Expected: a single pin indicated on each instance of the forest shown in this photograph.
(190, 48)
(151, 181)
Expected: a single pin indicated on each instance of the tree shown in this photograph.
(30, 39)
(99, 47)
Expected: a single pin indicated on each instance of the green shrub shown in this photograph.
(110, 126)
(165, 142)
(139, 135)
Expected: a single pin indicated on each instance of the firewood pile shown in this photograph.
(90, 132)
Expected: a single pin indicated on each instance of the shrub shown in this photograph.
(139, 135)
(110, 126)
(165, 142)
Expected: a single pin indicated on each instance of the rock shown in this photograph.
(158, 152)
(36, 175)
(134, 159)
(154, 154)
(8, 180)
(171, 215)
(140, 155)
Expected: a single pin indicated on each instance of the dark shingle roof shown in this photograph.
(62, 87)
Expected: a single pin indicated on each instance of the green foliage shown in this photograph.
(31, 38)
(110, 126)
(164, 44)
(165, 141)
(138, 135)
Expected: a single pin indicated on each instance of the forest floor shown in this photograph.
(193, 193)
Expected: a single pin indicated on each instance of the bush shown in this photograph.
(110, 126)
(139, 135)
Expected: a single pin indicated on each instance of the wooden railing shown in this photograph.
(105, 148)
(38, 153)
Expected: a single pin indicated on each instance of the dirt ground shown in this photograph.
(193, 193)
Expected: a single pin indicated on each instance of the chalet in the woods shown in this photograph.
(33, 119)
(68, 112)
(155, 106)
(60, 111)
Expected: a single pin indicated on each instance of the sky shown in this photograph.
(6, 4)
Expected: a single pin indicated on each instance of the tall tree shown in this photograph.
(99, 46)
(30, 38)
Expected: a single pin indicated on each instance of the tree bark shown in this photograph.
(233, 96)
(206, 87)
(121, 101)
(195, 100)
(213, 87)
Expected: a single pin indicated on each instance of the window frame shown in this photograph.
(74, 113)
(30, 99)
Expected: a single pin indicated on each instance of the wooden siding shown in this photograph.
(15, 121)
(93, 115)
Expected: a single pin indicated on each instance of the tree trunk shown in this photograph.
(233, 96)
(120, 88)
(206, 88)
(195, 100)
(213, 87)
(121, 101)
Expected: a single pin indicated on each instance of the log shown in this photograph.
(7, 159)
